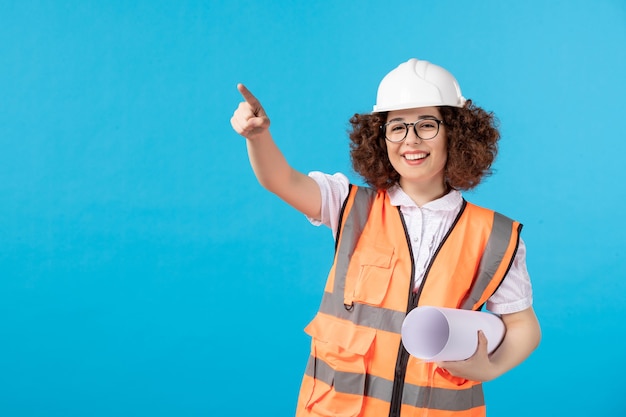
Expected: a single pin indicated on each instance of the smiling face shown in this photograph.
(420, 163)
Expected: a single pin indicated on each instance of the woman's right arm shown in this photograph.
(268, 163)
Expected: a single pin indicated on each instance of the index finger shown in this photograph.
(247, 95)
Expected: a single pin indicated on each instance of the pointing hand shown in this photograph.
(249, 119)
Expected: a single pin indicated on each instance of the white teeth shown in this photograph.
(415, 156)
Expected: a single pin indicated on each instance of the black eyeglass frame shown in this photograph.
(383, 129)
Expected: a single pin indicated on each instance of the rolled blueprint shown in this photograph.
(436, 334)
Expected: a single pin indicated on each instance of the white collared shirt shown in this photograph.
(427, 226)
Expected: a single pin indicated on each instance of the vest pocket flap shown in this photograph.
(376, 255)
(341, 333)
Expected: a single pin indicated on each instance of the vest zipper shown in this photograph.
(403, 355)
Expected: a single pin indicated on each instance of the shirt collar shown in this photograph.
(450, 201)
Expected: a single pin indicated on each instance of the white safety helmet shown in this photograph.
(418, 83)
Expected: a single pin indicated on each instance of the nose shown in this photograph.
(411, 135)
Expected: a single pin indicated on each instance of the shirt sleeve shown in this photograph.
(334, 190)
(515, 292)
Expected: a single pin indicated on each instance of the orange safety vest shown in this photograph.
(358, 366)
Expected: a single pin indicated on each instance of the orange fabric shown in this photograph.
(379, 275)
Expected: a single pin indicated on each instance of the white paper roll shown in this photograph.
(436, 334)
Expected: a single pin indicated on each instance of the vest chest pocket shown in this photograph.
(339, 351)
(376, 264)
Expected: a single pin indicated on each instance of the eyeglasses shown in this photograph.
(425, 129)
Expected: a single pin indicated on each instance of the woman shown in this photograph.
(409, 239)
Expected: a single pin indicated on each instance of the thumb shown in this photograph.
(482, 341)
(258, 122)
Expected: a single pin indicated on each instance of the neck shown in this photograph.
(422, 194)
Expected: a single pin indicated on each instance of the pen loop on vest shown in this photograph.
(348, 307)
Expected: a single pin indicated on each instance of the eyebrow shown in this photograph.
(422, 117)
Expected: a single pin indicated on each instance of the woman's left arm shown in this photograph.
(522, 337)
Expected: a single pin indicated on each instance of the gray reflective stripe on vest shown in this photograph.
(362, 314)
(352, 229)
(497, 245)
(381, 388)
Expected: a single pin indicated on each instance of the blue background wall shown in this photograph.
(144, 272)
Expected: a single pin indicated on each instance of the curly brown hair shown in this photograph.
(472, 147)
